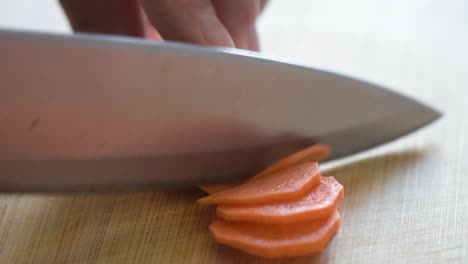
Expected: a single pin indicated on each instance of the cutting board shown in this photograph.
(406, 202)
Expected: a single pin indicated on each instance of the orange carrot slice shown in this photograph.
(314, 153)
(319, 203)
(277, 240)
(289, 184)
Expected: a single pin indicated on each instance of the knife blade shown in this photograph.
(93, 112)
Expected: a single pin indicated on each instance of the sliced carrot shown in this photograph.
(289, 184)
(314, 153)
(319, 203)
(277, 240)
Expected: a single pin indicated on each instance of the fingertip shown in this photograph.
(252, 40)
(213, 31)
(188, 21)
(150, 30)
(239, 18)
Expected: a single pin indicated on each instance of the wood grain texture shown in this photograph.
(405, 202)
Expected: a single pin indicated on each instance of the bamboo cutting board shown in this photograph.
(405, 202)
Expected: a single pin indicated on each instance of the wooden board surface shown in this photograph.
(405, 202)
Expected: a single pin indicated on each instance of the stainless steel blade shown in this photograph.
(88, 111)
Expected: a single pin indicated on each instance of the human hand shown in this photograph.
(229, 23)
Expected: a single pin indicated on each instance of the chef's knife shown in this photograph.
(93, 112)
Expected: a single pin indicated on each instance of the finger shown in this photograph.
(239, 18)
(120, 17)
(252, 40)
(150, 31)
(193, 21)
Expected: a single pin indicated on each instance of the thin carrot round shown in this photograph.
(284, 185)
(277, 240)
(314, 153)
(320, 202)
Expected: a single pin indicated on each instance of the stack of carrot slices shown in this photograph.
(286, 210)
